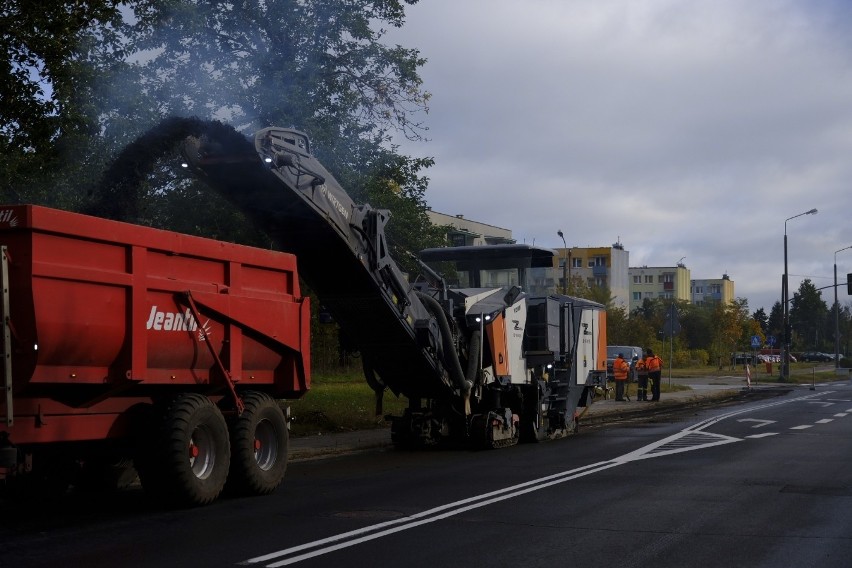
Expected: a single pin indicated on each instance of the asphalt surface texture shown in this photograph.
(703, 392)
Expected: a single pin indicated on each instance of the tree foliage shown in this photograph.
(704, 334)
(394, 184)
(53, 50)
(762, 320)
(58, 55)
(808, 315)
(106, 71)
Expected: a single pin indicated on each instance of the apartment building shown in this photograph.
(604, 267)
(712, 291)
(464, 232)
(652, 282)
(601, 267)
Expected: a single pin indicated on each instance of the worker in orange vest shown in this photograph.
(620, 370)
(641, 379)
(655, 370)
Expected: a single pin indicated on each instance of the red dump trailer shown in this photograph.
(127, 343)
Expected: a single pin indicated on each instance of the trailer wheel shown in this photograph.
(191, 454)
(259, 446)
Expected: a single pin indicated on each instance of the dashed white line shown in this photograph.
(802, 427)
(825, 421)
(764, 435)
(841, 414)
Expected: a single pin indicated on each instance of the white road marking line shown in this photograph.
(802, 427)
(690, 438)
(763, 435)
(825, 421)
(841, 414)
(761, 423)
(429, 516)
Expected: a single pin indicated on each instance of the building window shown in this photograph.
(649, 279)
(576, 263)
(599, 261)
(637, 279)
(637, 296)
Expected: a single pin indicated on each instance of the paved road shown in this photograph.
(747, 484)
(761, 484)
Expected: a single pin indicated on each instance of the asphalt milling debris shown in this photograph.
(600, 413)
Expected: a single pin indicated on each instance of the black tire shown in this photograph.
(534, 424)
(189, 461)
(259, 446)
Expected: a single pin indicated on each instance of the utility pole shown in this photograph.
(564, 263)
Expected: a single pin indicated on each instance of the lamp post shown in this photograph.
(785, 363)
(837, 313)
(564, 264)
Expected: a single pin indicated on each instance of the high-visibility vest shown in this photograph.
(653, 363)
(620, 368)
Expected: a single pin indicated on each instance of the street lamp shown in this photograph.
(564, 264)
(837, 313)
(785, 363)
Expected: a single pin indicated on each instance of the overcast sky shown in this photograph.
(685, 128)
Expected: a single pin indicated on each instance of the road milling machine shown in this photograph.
(479, 357)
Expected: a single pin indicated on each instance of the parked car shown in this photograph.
(811, 356)
(740, 358)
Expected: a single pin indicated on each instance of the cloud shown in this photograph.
(680, 128)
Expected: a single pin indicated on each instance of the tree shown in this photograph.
(616, 325)
(762, 320)
(731, 327)
(580, 288)
(775, 323)
(110, 74)
(601, 295)
(808, 314)
(696, 327)
(47, 72)
(318, 65)
(394, 184)
(54, 52)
